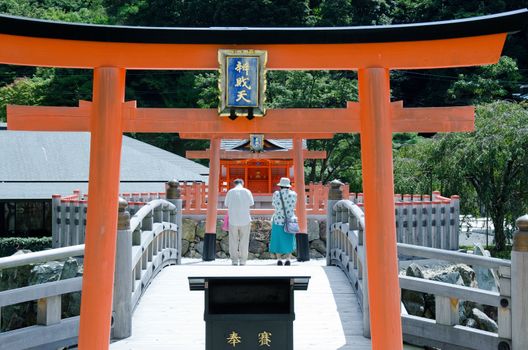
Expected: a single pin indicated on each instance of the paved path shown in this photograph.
(169, 316)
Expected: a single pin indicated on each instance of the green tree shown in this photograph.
(488, 83)
(25, 91)
(319, 89)
(493, 160)
(208, 13)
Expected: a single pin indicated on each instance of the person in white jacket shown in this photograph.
(238, 201)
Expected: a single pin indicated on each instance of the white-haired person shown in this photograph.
(238, 200)
(282, 243)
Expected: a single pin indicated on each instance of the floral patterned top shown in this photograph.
(290, 199)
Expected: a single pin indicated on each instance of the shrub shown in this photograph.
(9, 245)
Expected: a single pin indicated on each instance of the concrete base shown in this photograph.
(303, 247)
(209, 248)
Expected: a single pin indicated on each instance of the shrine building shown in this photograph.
(258, 161)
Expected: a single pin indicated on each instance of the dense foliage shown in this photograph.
(10, 245)
(484, 166)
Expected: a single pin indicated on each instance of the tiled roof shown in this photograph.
(59, 159)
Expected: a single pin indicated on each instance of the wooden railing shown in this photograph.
(346, 249)
(146, 242)
(50, 327)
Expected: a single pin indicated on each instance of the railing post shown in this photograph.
(55, 220)
(83, 209)
(147, 222)
(74, 219)
(504, 315)
(166, 212)
(454, 221)
(123, 279)
(49, 310)
(174, 196)
(158, 217)
(335, 194)
(519, 284)
(446, 310)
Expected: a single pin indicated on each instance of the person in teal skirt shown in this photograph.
(282, 244)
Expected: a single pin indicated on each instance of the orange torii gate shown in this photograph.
(373, 51)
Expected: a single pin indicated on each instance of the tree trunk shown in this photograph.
(498, 223)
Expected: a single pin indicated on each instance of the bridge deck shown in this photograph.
(169, 316)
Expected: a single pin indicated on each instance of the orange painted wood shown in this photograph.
(378, 187)
(198, 123)
(101, 228)
(298, 166)
(459, 52)
(212, 193)
(43, 118)
(252, 155)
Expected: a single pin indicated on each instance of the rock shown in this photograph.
(313, 229)
(260, 230)
(322, 230)
(69, 269)
(484, 322)
(200, 229)
(220, 233)
(71, 304)
(486, 278)
(185, 247)
(257, 247)
(189, 229)
(199, 247)
(452, 277)
(314, 254)
(318, 245)
(414, 270)
(15, 277)
(470, 323)
(464, 310)
(47, 272)
(224, 243)
(252, 256)
(266, 255)
(467, 274)
(221, 255)
(195, 254)
(414, 302)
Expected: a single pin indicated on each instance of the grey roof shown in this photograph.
(61, 159)
(232, 144)
(44, 190)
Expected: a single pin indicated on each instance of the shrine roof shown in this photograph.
(42, 163)
(506, 22)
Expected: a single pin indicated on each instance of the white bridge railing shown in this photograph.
(146, 243)
(346, 249)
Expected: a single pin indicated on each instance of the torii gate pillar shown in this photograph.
(378, 188)
(303, 248)
(103, 187)
(209, 248)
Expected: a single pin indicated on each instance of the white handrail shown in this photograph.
(42, 256)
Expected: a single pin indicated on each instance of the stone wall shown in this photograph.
(194, 231)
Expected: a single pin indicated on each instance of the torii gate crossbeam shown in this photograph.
(373, 51)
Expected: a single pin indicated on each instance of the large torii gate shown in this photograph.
(373, 51)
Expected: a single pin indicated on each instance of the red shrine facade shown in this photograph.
(261, 168)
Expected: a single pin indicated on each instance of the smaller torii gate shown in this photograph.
(372, 51)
